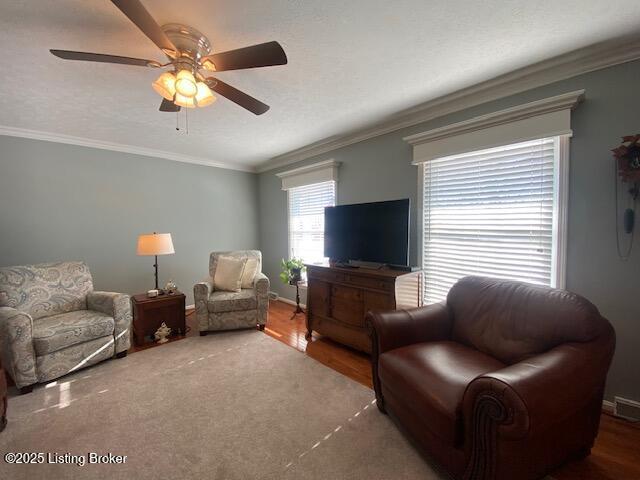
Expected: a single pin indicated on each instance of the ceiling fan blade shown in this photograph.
(168, 106)
(139, 15)
(99, 57)
(262, 55)
(236, 96)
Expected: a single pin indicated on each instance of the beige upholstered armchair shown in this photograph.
(221, 310)
(52, 322)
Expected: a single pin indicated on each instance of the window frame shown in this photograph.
(335, 197)
(560, 211)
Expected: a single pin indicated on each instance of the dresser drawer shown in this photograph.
(318, 298)
(348, 312)
(378, 302)
(347, 294)
(368, 282)
(326, 275)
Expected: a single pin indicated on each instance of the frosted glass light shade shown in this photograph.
(155, 244)
(204, 96)
(186, 84)
(165, 85)
(182, 101)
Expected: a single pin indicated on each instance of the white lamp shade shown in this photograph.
(182, 101)
(186, 84)
(165, 85)
(204, 96)
(155, 244)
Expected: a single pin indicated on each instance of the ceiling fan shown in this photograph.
(189, 55)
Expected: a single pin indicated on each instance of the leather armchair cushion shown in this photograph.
(432, 378)
(512, 321)
(221, 301)
(54, 333)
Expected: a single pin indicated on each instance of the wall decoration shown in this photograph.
(170, 287)
(627, 165)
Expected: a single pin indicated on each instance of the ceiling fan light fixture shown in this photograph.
(208, 65)
(186, 84)
(204, 96)
(189, 52)
(165, 85)
(182, 101)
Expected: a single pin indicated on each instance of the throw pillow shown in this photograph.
(250, 271)
(228, 276)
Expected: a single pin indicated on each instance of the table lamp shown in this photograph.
(155, 244)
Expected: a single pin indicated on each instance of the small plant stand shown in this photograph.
(298, 309)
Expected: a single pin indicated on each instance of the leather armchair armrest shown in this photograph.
(18, 354)
(118, 306)
(399, 328)
(395, 329)
(528, 396)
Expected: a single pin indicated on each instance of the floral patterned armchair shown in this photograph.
(52, 322)
(219, 310)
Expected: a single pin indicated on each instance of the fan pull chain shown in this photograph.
(178, 121)
(186, 119)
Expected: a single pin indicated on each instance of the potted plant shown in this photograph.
(291, 270)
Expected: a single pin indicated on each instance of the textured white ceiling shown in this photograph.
(350, 63)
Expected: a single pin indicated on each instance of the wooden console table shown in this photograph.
(339, 298)
(149, 313)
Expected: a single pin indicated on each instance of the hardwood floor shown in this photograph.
(615, 455)
(349, 362)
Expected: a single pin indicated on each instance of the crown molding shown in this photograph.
(309, 168)
(325, 171)
(565, 101)
(117, 147)
(578, 62)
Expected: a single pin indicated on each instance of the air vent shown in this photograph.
(627, 409)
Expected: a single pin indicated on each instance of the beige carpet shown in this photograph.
(237, 405)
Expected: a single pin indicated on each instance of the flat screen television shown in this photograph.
(370, 232)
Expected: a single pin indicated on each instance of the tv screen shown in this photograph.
(369, 232)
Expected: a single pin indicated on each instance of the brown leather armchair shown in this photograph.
(505, 381)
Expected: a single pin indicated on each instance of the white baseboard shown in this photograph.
(189, 307)
(291, 302)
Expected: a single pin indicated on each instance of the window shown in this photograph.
(495, 212)
(306, 219)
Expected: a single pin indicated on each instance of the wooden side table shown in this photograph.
(149, 313)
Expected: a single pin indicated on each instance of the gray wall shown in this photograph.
(379, 169)
(61, 202)
(66, 202)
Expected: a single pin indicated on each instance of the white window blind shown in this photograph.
(493, 213)
(306, 219)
